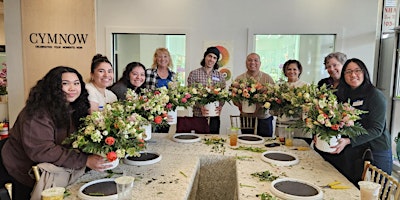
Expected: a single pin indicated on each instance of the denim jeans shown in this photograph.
(383, 160)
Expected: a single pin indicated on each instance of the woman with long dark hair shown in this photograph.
(133, 78)
(52, 112)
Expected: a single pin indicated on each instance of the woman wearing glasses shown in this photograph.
(356, 87)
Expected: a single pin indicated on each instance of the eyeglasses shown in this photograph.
(356, 71)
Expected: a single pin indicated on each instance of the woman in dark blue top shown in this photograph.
(355, 86)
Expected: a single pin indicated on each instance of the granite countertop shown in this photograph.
(196, 171)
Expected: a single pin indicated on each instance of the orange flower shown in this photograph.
(109, 140)
(111, 156)
(158, 119)
(335, 127)
(141, 143)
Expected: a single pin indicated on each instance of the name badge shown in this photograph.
(215, 78)
(358, 103)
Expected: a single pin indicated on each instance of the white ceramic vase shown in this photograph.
(212, 109)
(325, 146)
(147, 131)
(246, 108)
(114, 163)
(173, 115)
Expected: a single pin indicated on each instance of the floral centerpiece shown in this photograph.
(113, 132)
(209, 94)
(3, 79)
(179, 96)
(246, 90)
(282, 99)
(327, 118)
(151, 105)
(117, 131)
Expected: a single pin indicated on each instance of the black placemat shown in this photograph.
(296, 188)
(105, 188)
(279, 156)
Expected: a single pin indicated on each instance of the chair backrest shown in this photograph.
(243, 122)
(390, 187)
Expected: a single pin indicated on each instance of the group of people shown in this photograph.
(61, 98)
(53, 111)
(351, 81)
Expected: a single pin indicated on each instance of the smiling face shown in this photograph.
(334, 68)
(253, 63)
(210, 60)
(102, 76)
(353, 75)
(162, 59)
(71, 86)
(292, 72)
(137, 76)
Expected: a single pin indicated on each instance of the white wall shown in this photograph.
(354, 22)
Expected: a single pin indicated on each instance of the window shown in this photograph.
(139, 47)
(310, 50)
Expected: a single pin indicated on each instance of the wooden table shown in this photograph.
(195, 171)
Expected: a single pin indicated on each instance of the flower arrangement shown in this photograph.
(117, 130)
(208, 94)
(3, 79)
(282, 99)
(151, 105)
(325, 117)
(113, 132)
(246, 90)
(179, 96)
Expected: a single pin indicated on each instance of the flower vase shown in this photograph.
(325, 146)
(172, 117)
(283, 118)
(212, 109)
(147, 131)
(247, 108)
(113, 163)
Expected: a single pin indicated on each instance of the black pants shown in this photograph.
(19, 190)
(215, 123)
(264, 128)
(162, 129)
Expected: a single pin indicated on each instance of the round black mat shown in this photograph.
(186, 137)
(279, 156)
(249, 138)
(105, 188)
(144, 157)
(296, 188)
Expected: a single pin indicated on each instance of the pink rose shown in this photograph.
(183, 100)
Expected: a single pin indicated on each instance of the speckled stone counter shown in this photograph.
(196, 171)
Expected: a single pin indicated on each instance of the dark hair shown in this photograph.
(96, 60)
(287, 63)
(48, 97)
(345, 88)
(125, 75)
(213, 50)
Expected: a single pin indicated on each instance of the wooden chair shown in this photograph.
(6, 192)
(244, 123)
(390, 187)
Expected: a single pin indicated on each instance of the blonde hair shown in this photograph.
(160, 51)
